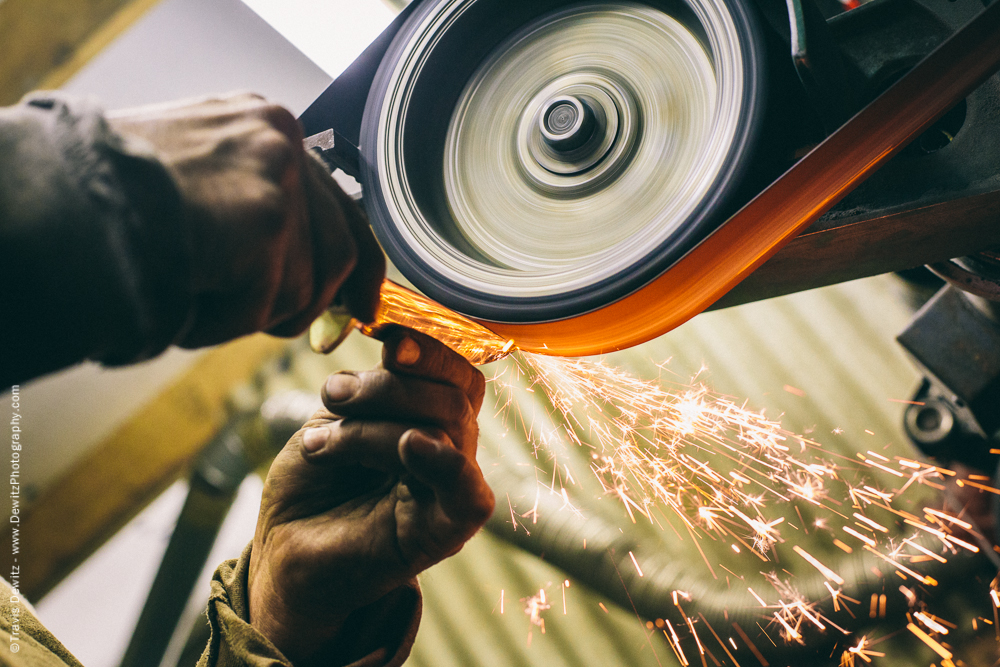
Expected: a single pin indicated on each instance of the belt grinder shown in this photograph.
(582, 177)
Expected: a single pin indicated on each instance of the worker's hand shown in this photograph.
(367, 495)
(272, 238)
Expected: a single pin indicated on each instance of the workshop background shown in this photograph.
(105, 449)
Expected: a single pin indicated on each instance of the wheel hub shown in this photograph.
(575, 133)
(567, 123)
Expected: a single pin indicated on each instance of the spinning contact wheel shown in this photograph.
(532, 161)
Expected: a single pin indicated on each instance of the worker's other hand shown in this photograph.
(376, 489)
(271, 237)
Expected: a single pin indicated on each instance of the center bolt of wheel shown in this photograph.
(576, 133)
(567, 123)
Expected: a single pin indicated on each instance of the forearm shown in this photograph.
(299, 636)
(378, 635)
(90, 228)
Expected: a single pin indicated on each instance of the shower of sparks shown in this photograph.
(653, 448)
(726, 472)
(731, 474)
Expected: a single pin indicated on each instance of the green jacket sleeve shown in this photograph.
(380, 635)
(24, 641)
(91, 242)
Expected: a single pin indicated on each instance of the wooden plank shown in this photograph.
(45, 42)
(120, 476)
(837, 250)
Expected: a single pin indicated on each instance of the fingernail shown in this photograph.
(341, 386)
(423, 445)
(315, 438)
(407, 352)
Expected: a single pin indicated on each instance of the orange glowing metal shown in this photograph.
(404, 307)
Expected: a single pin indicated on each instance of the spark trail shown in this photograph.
(731, 474)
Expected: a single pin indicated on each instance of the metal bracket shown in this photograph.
(342, 104)
(336, 151)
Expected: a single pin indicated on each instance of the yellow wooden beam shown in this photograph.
(44, 42)
(124, 473)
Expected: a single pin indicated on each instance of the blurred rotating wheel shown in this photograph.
(527, 162)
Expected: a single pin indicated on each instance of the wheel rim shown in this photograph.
(582, 157)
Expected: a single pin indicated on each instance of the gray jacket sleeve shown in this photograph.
(92, 251)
